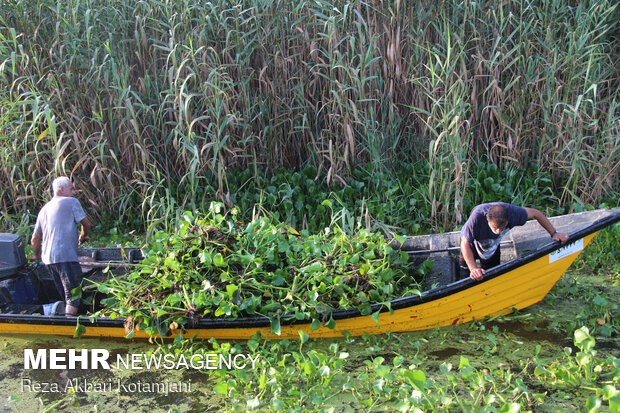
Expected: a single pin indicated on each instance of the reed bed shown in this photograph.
(145, 104)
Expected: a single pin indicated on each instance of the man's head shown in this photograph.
(62, 186)
(497, 218)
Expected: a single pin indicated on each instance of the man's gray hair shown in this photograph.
(60, 182)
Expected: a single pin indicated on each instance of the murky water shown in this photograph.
(116, 389)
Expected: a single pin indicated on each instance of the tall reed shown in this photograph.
(150, 104)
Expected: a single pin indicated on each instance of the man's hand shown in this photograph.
(476, 274)
(84, 231)
(560, 237)
(34, 258)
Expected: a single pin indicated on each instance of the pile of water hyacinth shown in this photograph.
(215, 266)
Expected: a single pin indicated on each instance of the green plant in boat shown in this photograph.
(216, 266)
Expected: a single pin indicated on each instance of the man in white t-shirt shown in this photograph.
(55, 240)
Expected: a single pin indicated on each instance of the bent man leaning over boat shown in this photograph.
(55, 240)
(487, 225)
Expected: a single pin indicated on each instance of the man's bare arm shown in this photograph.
(475, 273)
(35, 241)
(546, 224)
(85, 230)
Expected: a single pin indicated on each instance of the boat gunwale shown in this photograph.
(396, 304)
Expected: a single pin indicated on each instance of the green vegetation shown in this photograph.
(602, 254)
(216, 267)
(600, 305)
(295, 375)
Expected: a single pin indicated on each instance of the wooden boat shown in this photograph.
(532, 265)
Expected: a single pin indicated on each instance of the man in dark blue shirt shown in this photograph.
(488, 223)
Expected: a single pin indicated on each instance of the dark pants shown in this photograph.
(67, 276)
(494, 261)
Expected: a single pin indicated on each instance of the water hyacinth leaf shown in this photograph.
(377, 361)
(601, 301)
(378, 385)
(375, 317)
(315, 325)
(270, 307)
(398, 361)
(614, 403)
(275, 326)
(331, 324)
(400, 238)
(284, 247)
(445, 367)
(205, 257)
(593, 404)
(253, 344)
(221, 388)
(510, 408)
(610, 391)
(308, 368)
(314, 267)
(188, 217)
(161, 312)
(417, 378)
(253, 403)
(12, 398)
(583, 339)
(245, 259)
(79, 330)
(218, 260)
(303, 337)
(466, 372)
(231, 289)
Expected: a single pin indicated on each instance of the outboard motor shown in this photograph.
(22, 286)
(12, 257)
(15, 285)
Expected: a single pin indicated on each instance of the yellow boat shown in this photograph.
(531, 265)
